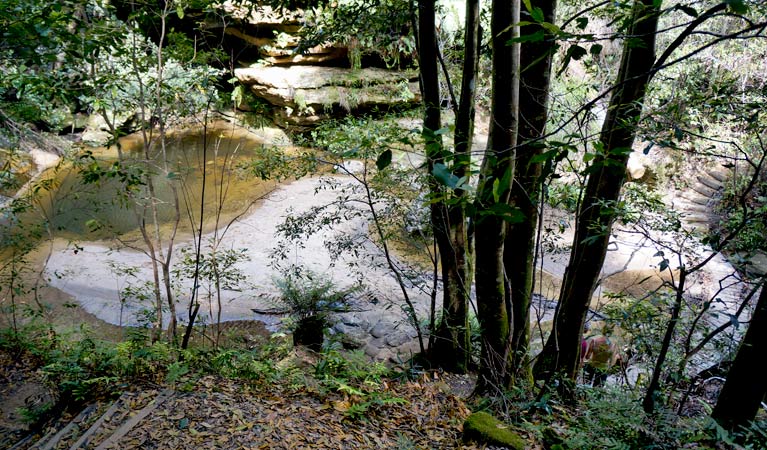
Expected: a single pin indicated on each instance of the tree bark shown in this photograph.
(607, 173)
(648, 403)
(746, 383)
(519, 247)
(452, 347)
(493, 191)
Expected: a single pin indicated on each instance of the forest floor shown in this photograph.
(216, 412)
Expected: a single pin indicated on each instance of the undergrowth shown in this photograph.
(612, 418)
(84, 368)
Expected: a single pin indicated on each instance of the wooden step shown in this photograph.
(697, 199)
(71, 427)
(704, 190)
(709, 182)
(128, 425)
(697, 218)
(86, 437)
(696, 208)
(720, 175)
(20, 444)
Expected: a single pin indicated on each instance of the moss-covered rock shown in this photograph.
(483, 428)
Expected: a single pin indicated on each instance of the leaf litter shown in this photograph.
(235, 414)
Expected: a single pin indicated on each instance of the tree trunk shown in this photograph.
(519, 247)
(607, 173)
(648, 403)
(746, 383)
(452, 347)
(492, 196)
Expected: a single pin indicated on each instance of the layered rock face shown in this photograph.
(305, 87)
(304, 95)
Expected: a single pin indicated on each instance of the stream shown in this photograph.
(109, 278)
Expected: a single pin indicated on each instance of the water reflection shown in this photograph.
(78, 210)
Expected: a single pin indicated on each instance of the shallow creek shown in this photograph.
(100, 210)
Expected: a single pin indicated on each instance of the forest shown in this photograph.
(383, 224)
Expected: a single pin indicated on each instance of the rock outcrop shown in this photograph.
(272, 33)
(304, 95)
(305, 85)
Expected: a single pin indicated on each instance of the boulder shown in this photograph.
(43, 160)
(321, 56)
(635, 167)
(313, 77)
(483, 428)
(397, 338)
(383, 329)
(97, 130)
(284, 51)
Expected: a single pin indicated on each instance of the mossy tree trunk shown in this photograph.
(519, 246)
(451, 348)
(492, 207)
(560, 355)
(310, 332)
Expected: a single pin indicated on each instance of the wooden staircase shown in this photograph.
(99, 426)
(698, 203)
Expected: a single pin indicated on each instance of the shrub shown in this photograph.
(309, 297)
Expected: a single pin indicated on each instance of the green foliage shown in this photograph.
(33, 415)
(82, 370)
(743, 213)
(353, 375)
(256, 365)
(563, 195)
(304, 293)
(352, 367)
(185, 49)
(44, 51)
(642, 204)
(611, 418)
(363, 137)
(364, 27)
(32, 338)
(215, 268)
(128, 80)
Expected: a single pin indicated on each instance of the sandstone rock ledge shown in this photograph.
(304, 95)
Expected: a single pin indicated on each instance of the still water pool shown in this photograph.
(80, 210)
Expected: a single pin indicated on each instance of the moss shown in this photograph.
(483, 428)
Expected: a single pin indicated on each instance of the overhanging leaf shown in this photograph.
(689, 10)
(646, 150)
(575, 52)
(533, 37)
(737, 6)
(506, 212)
(384, 160)
(496, 190)
(444, 176)
(545, 156)
(537, 14)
